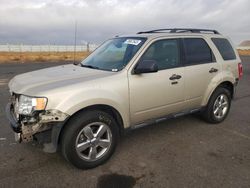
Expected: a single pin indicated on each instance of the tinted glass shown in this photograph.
(164, 52)
(114, 54)
(197, 51)
(225, 48)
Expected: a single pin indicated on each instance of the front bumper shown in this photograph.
(52, 121)
(15, 125)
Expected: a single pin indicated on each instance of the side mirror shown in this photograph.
(146, 66)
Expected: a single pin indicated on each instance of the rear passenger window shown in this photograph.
(225, 48)
(164, 52)
(197, 51)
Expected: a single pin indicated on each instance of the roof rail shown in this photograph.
(180, 30)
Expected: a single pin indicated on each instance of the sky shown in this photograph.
(53, 21)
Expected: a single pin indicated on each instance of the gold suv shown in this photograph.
(126, 83)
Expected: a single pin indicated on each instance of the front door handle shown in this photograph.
(175, 77)
(213, 70)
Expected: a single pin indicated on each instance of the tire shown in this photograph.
(94, 133)
(218, 106)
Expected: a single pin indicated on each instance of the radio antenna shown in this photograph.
(75, 43)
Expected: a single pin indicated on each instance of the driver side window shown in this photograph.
(164, 52)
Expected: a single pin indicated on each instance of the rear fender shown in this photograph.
(224, 76)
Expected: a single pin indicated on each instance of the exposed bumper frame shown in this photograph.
(55, 130)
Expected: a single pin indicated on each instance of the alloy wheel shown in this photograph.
(93, 141)
(221, 106)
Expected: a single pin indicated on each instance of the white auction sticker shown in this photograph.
(132, 41)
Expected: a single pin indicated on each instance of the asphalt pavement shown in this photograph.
(183, 152)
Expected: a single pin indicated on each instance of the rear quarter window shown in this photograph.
(197, 51)
(225, 48)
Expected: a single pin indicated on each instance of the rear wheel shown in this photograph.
(218, 106)
(89, 139)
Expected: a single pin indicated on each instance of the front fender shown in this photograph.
(80, 100)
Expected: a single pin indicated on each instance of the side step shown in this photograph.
(170, 116)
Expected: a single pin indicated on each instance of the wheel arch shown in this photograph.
(102, 107)
(228, 85)
(225, 84)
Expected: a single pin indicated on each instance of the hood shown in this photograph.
(52, 78)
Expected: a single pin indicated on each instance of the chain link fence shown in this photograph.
(46, 48)
(243, 48)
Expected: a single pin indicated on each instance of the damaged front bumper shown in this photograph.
(26, 131)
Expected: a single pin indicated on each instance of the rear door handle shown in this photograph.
(213, 70)
(175, 77)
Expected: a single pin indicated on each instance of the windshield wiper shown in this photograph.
(90, 66)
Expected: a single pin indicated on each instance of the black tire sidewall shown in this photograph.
(75, 125)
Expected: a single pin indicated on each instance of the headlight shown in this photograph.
(27, 105)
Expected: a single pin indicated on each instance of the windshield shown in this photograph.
(114, 54)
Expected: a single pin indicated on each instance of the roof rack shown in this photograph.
(180, 30)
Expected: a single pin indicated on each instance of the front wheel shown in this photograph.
(89, 139)
(218, 106)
